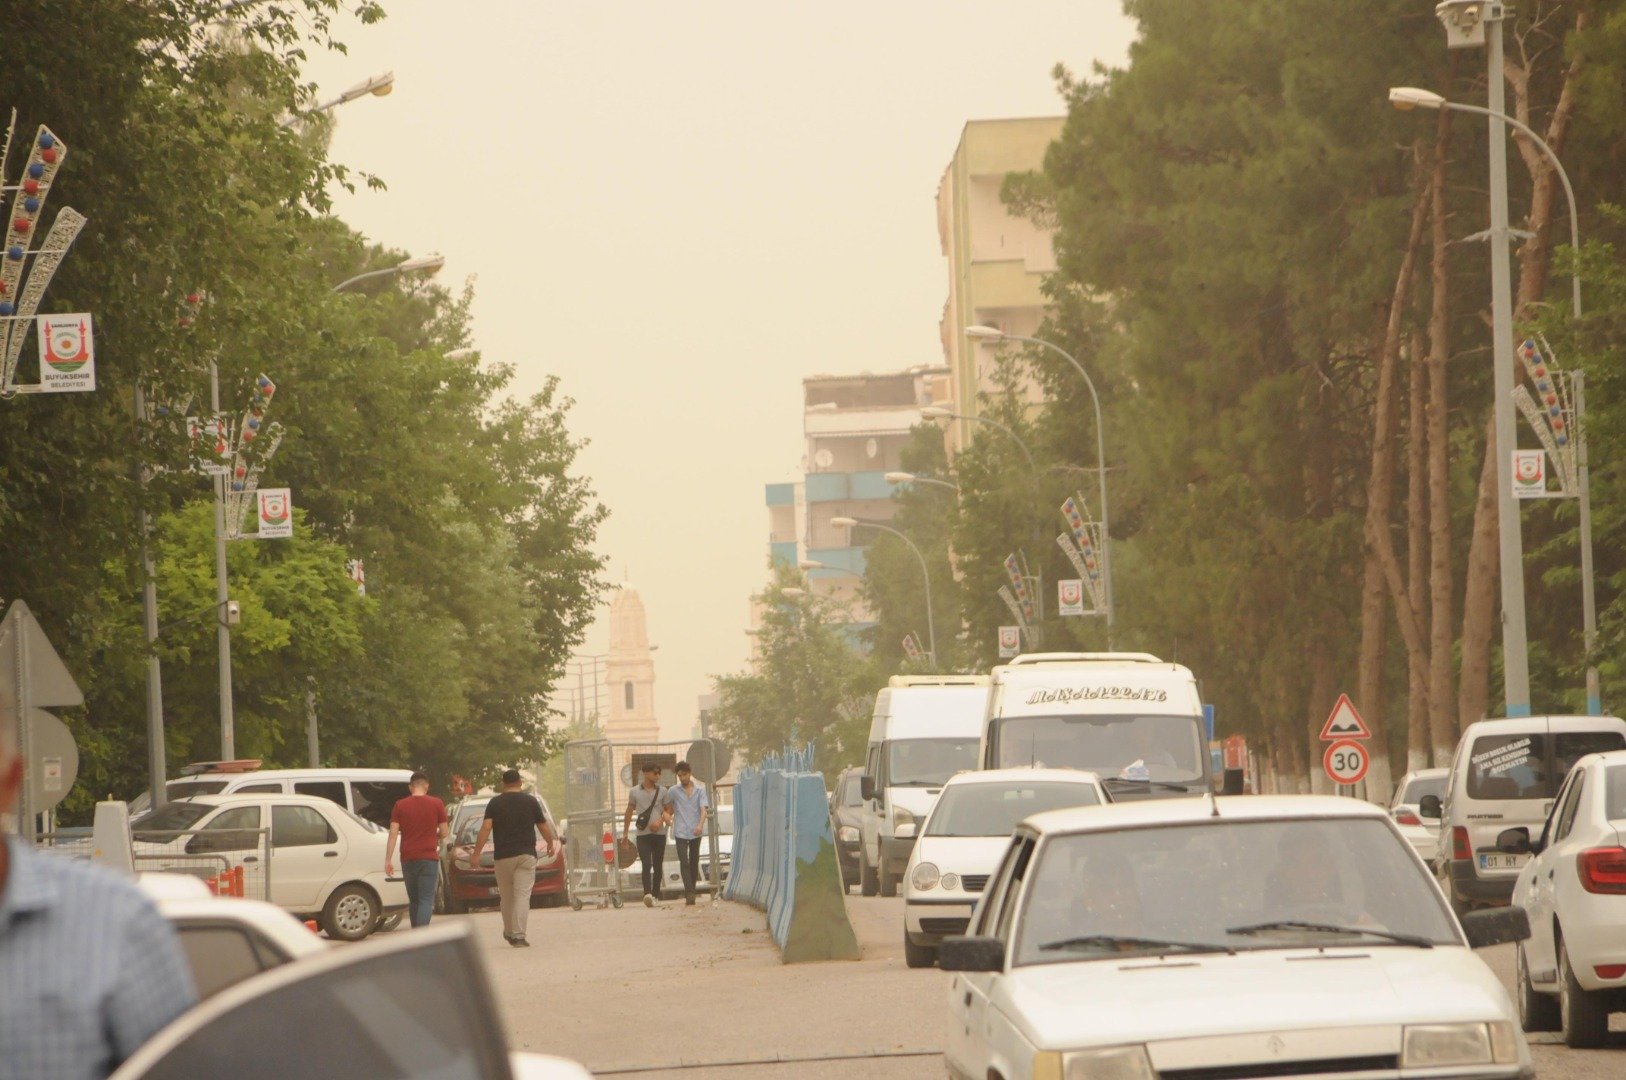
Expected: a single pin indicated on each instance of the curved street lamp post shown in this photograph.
(931, 625)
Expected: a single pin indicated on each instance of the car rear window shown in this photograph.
(1426, 785)
(1571, 746)
(1509, 767)
(1614, 793)
(376, 798)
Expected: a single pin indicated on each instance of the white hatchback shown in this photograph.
(304, 853)
(1424, 836)
(1254, 936)
(1572, 971)
(967, 831)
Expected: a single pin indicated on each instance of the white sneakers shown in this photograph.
(649, 901)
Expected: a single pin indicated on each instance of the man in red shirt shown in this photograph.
(418, 823)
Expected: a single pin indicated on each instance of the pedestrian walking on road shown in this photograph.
(514, 818)
(653, 806)
(90, 969)
(418, 824)
(690, 808)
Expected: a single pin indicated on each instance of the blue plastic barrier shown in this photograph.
(784, 858)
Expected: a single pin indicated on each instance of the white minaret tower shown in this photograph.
(629, 672)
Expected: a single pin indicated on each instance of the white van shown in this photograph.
(370, 794)
(1133, 719)
(925, 729)
(1505, 773)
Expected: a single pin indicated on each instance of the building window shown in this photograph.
(627, 690)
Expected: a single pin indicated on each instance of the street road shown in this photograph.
(684, 992)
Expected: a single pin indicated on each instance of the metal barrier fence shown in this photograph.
(232, 862)
(785, 858)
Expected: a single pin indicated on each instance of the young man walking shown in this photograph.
(514, 818)
(418, 824)
(690, 808)
(652, 805)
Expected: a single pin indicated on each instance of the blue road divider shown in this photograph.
(784, 858)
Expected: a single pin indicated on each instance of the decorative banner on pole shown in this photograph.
(207, 436)
(67, 353)
(1015, 608)
(276, 514)
(1529, 474)
(910, 648)
(1087, 535)
(1070, 596)
(358, 574)
(1553, 419)
(1010, 641)
(1019, 587)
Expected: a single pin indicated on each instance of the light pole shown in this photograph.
(989, 333)
(1406, 98)
(931, 626)
(911, 478)
(377, 86)
(937, 412)
(426, 264)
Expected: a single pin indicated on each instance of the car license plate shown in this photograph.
(1493, 861)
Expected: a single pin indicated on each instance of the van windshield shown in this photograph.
(178, 789)
(928, 762)
(1123, 747)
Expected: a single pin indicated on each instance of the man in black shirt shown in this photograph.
(514, 818)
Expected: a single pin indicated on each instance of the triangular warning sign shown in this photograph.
(1344, 723)
(49, 682)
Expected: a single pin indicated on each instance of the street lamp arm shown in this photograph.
(1017, 439)
(925, 572)
(388, 271)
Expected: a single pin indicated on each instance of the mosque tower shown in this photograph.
(629, 672)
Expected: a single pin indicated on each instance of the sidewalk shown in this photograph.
(583, 990)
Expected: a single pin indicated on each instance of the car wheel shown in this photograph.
(889, 881)
(616, 901)
(351, 913)
(868, 883)
(918, 956)
(575, 903)
(1585, 1014)
(1537, 1011)
(440, 892)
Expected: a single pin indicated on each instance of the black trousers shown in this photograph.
(651, 852)
(688, 853)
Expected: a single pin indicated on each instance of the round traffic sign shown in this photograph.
(1346, 762)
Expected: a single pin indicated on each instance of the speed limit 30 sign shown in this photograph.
(1346, 762)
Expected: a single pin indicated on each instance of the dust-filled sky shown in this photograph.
(681, 209)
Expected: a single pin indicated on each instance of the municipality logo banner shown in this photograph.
(1070, 596)
(276, 513)
(67, 353)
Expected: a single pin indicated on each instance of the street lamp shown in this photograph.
(994, 334)
(937, 412)
(911, 478)
(377, 86)
(931, 625)
(1406, 98)
(424, 264)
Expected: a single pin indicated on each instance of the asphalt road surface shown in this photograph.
(680, 992)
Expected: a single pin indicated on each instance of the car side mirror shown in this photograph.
(1429, 807)
(866, 787)
(904, 831)
(971, 954)
(1496, 926)
(1514, 841)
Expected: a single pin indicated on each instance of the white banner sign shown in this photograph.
(1010, 641)
(67, 353)
(276, 514)
(1070, 596)
(1529, 474)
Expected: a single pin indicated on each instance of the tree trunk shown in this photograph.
(1442, 726)
(1323, 692)
(1417, 730)
(1479, 593)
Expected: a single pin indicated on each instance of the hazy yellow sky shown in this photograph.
(682, 209)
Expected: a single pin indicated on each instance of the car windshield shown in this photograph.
(178, 789)
(1116, 747)
(1614, 786)
(995, 809)
(370, 826)
(852, 792)
(928, 762)
(1423, 786)
(175, 816)
(1227, 885)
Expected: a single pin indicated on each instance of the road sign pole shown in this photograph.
(228, 737)
(27, 827)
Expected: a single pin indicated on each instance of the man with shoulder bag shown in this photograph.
(653, 806)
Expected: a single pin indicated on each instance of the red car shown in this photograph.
(464, 885)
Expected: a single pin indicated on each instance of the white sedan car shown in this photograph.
(1256, 936)
(1572, 971)
(323, 862)
(1422, 833)
(966, 832)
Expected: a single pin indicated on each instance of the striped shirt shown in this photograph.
(89, 967)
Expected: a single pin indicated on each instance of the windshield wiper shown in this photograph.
(1331, 928)
(1114, 940)
(1164, 784)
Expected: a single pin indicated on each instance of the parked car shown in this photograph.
(1506, 773)
(1225, 937)
(1572, 972)
(967, 831)
(325, 863)
(462, 884)
(847, 821)
(1424, 836)
(414, 1005)
(228, 940)
(367, 793)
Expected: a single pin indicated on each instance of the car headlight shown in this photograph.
(847, 834)
(924, 876)
(950, 881)
(1108, 1063)
(1438, 1045)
